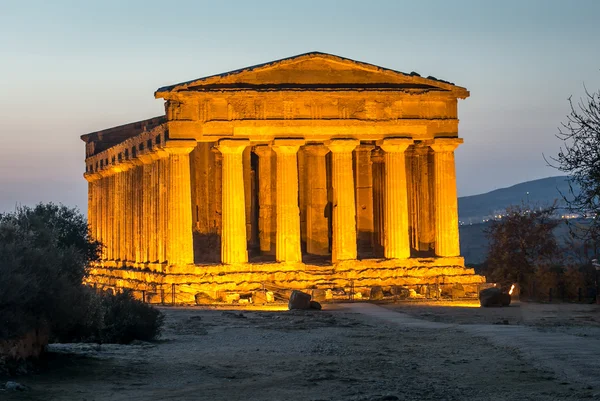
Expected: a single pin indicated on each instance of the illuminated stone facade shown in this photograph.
(310, 172)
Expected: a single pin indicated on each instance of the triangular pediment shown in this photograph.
(316, 71)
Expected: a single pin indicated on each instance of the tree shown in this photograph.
(520, 243)
(579, 157)
(45, 252)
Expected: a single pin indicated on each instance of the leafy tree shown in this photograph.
(579, 157)
(45, 253)
(521, 243)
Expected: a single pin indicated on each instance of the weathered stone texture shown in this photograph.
(323, 163)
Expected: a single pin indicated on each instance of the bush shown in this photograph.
(127, 319)
(45, 253)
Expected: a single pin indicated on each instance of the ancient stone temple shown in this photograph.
(311, 172)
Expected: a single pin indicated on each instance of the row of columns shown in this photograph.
(139, 208)
(281, 224)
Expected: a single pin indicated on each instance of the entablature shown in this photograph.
(310, 105)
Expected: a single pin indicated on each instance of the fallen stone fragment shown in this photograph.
(376, 293)
(493, 297)
(299, 300)
(315, 305)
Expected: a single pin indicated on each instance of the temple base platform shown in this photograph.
(264, 282)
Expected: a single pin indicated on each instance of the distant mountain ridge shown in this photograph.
(542, 192)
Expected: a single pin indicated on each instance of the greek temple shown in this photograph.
(312, 172)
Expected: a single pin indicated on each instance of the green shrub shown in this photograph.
(45, 253)
(127, 319)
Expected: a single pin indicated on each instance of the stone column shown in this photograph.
(180, 245)
(136, 224)
(363, 178)
(103, 223)
(162, 203)
(217, 181)
(378, 179)
(147, 207)
(317, 226)
(446, 203)
(395, 199)
(344, 207)
(287, 243)
(93, 180)
(267, 222)
(247, 165)
(127, 215)
(119, 219)
(412, 174)
(233, 232)
(113, 215)
(302, 201)
(426, 234)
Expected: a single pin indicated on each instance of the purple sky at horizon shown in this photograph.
(69, 67)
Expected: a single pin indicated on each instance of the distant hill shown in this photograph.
(473, 210)
(542, 192)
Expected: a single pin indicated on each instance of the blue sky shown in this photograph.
(71, 67)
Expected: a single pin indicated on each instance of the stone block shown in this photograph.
(376, 293)
(493, 297)
(299, 300)
(231, 298)
(458, 291)
(259, 297)
(203, 298)
(400, 292)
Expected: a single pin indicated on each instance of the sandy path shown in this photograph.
(328, 355)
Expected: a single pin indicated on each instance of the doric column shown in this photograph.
(233, 232)
(344, 207)
(146, 218)
(446, 204)
(267, 218)
(104, 204)
(317, 225)
(93, 180)
(425, 227)
(378, 179)
(247, 164)
(114, 214)
(137, 210)
(119, 219)
(363, 179)
(302, 201)
(180, 246)
(217, 182)
(395, 199)
(287, 243)
(162, 202)
(127, 214)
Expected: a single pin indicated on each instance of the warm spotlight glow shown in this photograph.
(512, 288)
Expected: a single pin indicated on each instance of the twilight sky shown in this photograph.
(71, 67)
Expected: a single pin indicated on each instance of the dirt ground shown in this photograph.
(530, 314)
(335, 354)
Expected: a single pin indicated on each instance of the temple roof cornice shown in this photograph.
(314, 71)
